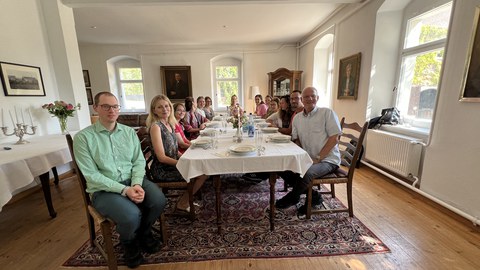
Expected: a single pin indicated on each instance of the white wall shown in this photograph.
(257, 62)
(24, 39)
(449, 167)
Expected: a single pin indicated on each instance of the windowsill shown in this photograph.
(415, 132)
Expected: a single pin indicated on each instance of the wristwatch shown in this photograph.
(124, 191)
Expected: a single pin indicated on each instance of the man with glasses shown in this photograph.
(110, 157)
(316, 130)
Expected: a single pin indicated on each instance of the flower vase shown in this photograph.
(63, 124)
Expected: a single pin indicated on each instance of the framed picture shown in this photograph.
(86, 78)
(471, 86)
(176, 82)
(21, 80)
(89, 96)
(349, 75)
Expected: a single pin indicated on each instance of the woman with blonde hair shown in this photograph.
(161, 124)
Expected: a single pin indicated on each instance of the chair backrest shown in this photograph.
(147, 153)
(350, 144)
(80, 177)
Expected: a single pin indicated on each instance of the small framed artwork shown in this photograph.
(349, 76)
(21, 80)
(86, 78)
(89, 96)
(471, 85)
(176, 82)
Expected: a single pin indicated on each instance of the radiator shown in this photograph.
(397, 153)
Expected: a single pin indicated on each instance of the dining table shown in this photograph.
(219, 152)
(20, 164)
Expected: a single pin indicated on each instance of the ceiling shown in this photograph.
(204, 23)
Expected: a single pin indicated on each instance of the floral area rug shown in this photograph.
(245, 230)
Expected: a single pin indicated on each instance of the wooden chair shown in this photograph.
(93, 216)
(106, 225)
(350, 144)
(148, 153)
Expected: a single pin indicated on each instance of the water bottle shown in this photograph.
(251, 126)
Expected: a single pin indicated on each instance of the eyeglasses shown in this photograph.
(107, 107)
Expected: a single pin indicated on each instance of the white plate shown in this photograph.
(270, 129)
(281, 138)
(263, 124)
(202, 141)
(207, 132)
(213, 124)
(259, 120)
(217, 118)
(242, 149)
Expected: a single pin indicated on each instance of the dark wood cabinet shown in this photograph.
(283, 81)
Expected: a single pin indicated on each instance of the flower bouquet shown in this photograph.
(61, 110)
(234, 120)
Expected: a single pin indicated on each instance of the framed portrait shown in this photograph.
(176, 82)
(471, 85)
(86, 78)
(89, 96)
(21, 80)
(349, 76)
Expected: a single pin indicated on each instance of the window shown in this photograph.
(226, 82)
(131, 86)
(323, 70)
(422, 57)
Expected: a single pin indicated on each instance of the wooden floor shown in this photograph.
(420, 234)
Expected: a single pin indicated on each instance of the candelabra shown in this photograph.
(21, 130)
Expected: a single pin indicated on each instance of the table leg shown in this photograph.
(55, 175)
(217, 183)
(272, 180)
(45, 180)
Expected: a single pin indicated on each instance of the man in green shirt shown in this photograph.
(109, 156)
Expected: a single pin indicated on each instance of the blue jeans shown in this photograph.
(300, 184)
(132, 219)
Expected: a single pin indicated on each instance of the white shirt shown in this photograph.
(275, 118)
(314, 129)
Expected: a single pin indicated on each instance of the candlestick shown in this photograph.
(11, 117)
(30, 114)
(23, 119)
(16, 115)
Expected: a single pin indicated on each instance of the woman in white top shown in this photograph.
(274, 118)
(200, 106)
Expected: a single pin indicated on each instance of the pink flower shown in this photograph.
(69, 107)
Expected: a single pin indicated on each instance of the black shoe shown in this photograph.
(150, 243)
(288, 200)
(317, 200)
(133, 257)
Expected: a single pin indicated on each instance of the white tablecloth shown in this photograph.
(20, 165)
(278, 157)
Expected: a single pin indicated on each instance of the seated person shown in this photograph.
(209, 113)
(235, 108)
(193, 121)
(161, 124)
(201, 106)
(183, 142)
(281, 118)
(261, 107)
(296, 106)
(320, 142)
(111, 159)
(273, 106)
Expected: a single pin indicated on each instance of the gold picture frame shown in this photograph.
(349, 76)
(176, 82)
(471, 83)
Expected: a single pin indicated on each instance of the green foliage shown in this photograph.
(226, 72)
(227, 89)
(428, 66)
(130, 74)
(132, 88)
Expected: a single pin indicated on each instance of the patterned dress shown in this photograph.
(209, 113)
(164, 172)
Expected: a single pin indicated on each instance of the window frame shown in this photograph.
(127, 63)
(226, 61)
(419, 123)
